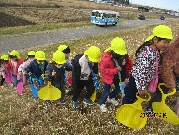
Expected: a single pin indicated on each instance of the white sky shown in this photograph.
(164, 4)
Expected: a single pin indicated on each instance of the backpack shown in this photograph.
(76, 71)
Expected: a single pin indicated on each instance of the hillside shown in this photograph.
(30, 12)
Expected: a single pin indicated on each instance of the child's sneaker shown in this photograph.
(75, 104)
(88, 102)
(113, 101)
(48, 103)
(11, 85)
(66, 91)
(62, 101)
(103, 108)
(150, 111)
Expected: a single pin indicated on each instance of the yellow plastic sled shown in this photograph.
(49, 92)
(163, 111)
(131, 115)
(93, 97)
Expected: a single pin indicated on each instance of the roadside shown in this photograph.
(25, 41)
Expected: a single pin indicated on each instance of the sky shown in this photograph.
(164, 4)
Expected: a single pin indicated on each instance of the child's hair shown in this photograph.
(29, 56)
(12, 56)
(147, 43)
(66, 50)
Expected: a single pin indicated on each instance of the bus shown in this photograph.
(104, 17)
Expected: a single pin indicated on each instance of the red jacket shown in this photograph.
(19, 62)
(129, 65)
(108, 68)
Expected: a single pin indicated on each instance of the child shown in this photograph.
(3, 67)
(36, 68)
(82, 76)
(110, 65)
(66, 50)
(23, 66)
(55, 73)
(144, 68)
(13, 65)
(169, 71)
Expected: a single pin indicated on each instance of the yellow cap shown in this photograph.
(93, 54)
(40, 55)
(5, 57)
(161, 31)
(31, 53)
(59, 57)
(62, 47)
(118, 46)
(15, 53)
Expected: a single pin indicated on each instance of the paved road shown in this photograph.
(25, 41)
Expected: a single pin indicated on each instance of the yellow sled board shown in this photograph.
(49, 93)
(130, 115)
(93, 97)
(163, 111)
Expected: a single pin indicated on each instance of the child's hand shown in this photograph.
(141, 92)
(53, 73)
(119, 68)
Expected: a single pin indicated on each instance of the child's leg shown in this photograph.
(15, 80)
(130, 91)
(77, 90)
(2, 80)
(105, 93)
(62, 89)
(90, 89)
(157, 96)
(114, 93)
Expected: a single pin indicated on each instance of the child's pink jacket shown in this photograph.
(23, 66)
(10, 67)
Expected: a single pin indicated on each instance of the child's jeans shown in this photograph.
(130, 91)
(107, 93)
(15, 81)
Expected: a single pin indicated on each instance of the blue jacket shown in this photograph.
(34, 68)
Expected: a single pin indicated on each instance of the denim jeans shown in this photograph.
(130, 91)
(15, 81)
(107, 92)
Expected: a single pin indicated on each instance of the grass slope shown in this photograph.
(22, 114)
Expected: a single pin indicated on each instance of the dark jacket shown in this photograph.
(58, 80)
(76, 71)
(33, 67)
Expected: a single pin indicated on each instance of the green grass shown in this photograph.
(39, 28)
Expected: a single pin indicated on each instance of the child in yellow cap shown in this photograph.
(23, 66)
(112, 67)
(146, 63)
(36, 68)
(82, 74)
(3, 67)
(66, 50)
(55, 73)
(13, 65)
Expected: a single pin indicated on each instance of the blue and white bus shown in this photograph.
(104, 17)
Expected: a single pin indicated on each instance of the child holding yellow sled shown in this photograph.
(146, 63)
(55, 73)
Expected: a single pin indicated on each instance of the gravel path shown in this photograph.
(25, 41)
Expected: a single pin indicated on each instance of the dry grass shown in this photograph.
(26, 115)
